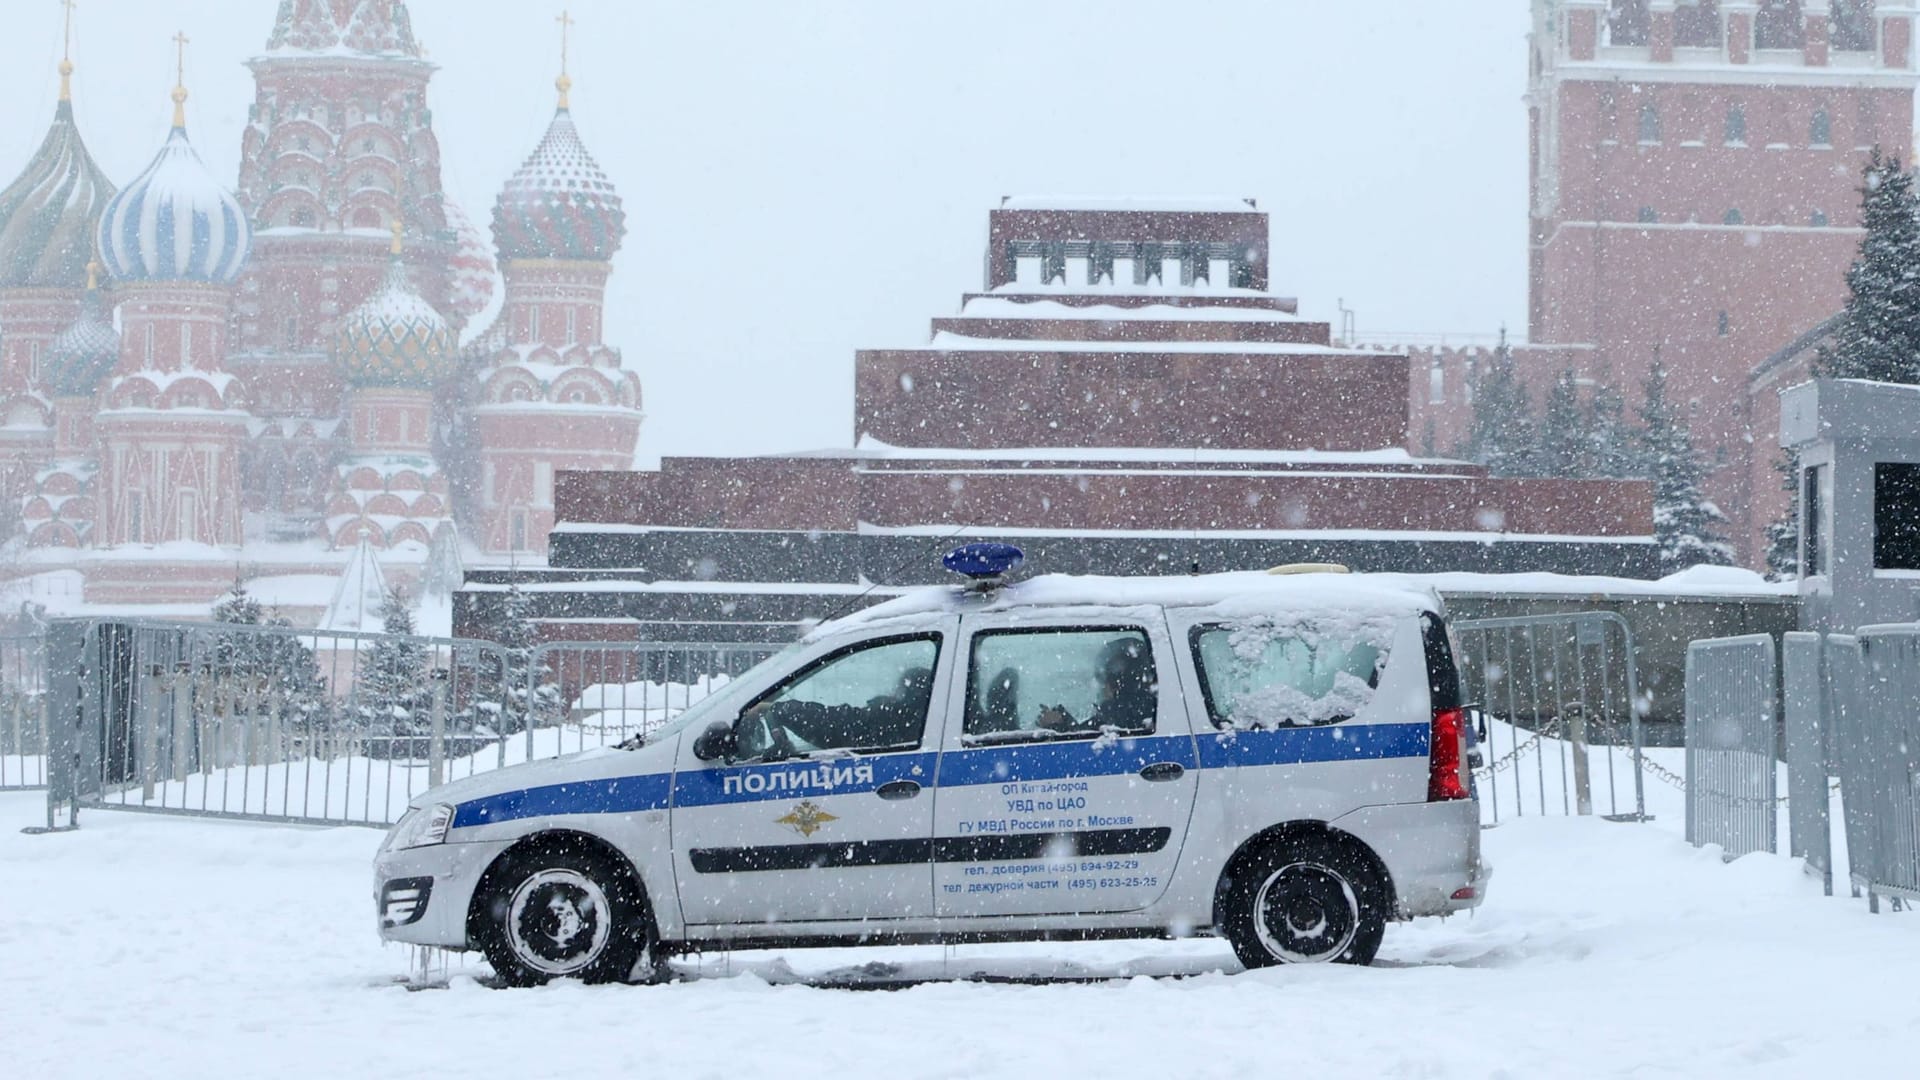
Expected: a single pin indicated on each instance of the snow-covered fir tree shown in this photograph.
(528, 698)
(1613, 451)
(1686, 524)
(1783, 532)
(1502, 435)
(1566, 444)
(392, 694)
(272, 670)
(1878, 335)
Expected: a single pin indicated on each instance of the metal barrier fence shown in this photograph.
(1731, 777)
(1805, 710)
(23, 716)
(1559, 700)
(1880, 761)
(284, 724)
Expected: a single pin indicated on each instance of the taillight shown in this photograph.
(1447, 757)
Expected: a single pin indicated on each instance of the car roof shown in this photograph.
(1232, 595)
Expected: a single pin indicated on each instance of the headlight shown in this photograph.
(422, 827)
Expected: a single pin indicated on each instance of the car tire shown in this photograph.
(1304, 900)
(562, 912)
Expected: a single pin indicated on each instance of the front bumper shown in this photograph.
(421, 895)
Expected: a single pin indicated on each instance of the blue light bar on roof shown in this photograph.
(980, 561)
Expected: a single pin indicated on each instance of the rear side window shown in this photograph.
(1060, 682)
(1268, 673)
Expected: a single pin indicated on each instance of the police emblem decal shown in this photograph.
(806, 818)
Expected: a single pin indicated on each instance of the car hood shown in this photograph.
(586, 765)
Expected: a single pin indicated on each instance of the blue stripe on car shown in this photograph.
(962, 768)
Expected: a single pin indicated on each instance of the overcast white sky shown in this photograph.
(806, 179)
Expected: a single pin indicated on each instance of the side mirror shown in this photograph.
(715, 742)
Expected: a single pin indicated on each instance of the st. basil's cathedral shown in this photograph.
(267, 381)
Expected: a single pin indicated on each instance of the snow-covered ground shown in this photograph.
(187, 948)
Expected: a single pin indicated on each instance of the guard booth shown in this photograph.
(1859, 501)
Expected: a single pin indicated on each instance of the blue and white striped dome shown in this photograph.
(175, 223)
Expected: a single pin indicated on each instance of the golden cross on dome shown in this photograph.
(399, 237)
(181, 41)
(565, 82)
(66, 54)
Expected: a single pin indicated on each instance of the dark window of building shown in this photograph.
(1850, 28)
(1818, 220)
(1629, 24)
(1649, 123)
(1726, 324)
(1649, 216)
(1812, 524)
(1896, 517)
(1820, 132)
(1734, 217)
(1737, 126)
(1779, 24)
(1696, 24)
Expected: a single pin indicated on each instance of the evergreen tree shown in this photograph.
(392, 695)
(1685, 522)
(1611, 453)
(1783, 533)
(527, 698)
(274, 670)
(1878, 336)
(1566, 443)
(1502, 435)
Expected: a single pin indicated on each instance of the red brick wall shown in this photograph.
(981, 400)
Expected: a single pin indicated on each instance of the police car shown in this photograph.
(1279, 759)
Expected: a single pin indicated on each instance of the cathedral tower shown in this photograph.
(172, 419)
(1695, 175)
(47, 220)
(553, 395)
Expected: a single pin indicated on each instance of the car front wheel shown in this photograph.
(561, 912)
(1306, 900)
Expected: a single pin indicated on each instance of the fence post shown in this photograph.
(437, 731)
(1582, 786)
(1809, 834)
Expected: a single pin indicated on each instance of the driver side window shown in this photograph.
(869, 697)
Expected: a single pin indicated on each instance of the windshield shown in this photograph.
(720, 704)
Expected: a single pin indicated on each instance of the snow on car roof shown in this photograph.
(1234, 594)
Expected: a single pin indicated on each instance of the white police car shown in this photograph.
(1278, 759)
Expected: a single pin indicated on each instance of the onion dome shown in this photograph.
(559, 205)
(396, 338)
(85, 351)
(334, 27)
(175, 222)
(48, 215)
(473, 276)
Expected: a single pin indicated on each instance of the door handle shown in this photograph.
(1162, 771)
(898, 790)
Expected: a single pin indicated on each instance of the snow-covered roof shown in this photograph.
(1202, 205)
(871, 447)
(359, 596)
(947, 342)
(997, 307)
(1231, 594)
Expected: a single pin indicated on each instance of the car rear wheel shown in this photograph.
(561, 912)
(1305, 900)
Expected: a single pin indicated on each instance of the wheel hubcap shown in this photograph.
(1305, 913)
(558, 921)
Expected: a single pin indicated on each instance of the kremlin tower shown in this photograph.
(269, 381)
